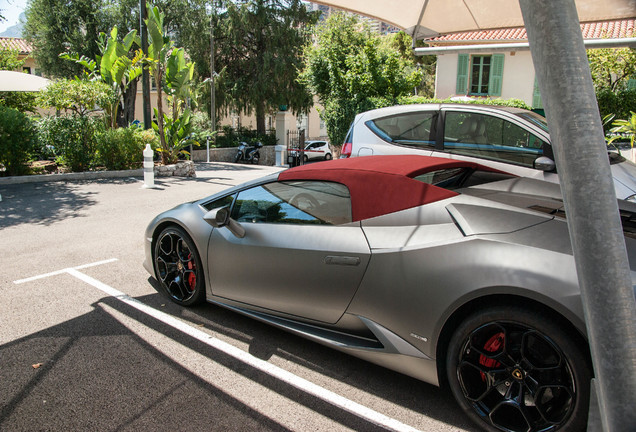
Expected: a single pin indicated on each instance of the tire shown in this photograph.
(178, 267)
(328, 156)
(514, 369)
(237, 158)
(305, 159)
(255, 158)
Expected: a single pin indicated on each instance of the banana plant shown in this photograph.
(178, 133)
(113, 67)
(627, 127)
(159, 47)
(179, 79)
(620, 129)
(117, 69)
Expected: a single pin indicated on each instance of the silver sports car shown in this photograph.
(441, 269)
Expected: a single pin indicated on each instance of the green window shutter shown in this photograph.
(536, 96)
(462, 74)
(496, 75)
(631, 83)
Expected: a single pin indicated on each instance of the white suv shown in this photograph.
(509, 139)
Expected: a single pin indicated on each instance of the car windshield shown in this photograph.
(535, 119)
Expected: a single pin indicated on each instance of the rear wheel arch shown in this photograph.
(469, 308)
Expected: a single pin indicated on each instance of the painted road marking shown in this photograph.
(66, 270)
(261, 365)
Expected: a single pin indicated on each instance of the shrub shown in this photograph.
(230, 137)
(122, 148)
(619, 103)
(17, 141)
(72, 139)
(514, 103)
(22, 101)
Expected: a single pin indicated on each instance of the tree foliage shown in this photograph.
(403, 44)
(22, 101)
(174, 76)
(611, 68)
(351, 71)
(73, 26)
(9, 60)
(17, 141)
(260, 47)
(119, 67)
(77, 97)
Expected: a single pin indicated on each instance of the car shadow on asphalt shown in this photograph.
(265, 341)
(93, 373)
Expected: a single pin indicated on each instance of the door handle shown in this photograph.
(342, 260)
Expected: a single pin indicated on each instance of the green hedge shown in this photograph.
(122, 148)
(619, 103)
(72, 139)
(514, 103)
(17, 141)
(229, 137)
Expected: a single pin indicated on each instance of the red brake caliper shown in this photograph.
(493, 345)
(192, 278)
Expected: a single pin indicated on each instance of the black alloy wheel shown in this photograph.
(516, 370)
(178, 267)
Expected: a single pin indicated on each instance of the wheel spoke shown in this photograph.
(176, 266)
(515, 377)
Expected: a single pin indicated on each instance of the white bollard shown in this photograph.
(280, 155)
(149, 168)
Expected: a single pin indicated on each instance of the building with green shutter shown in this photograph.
(497, 63)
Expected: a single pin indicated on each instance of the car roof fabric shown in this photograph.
(380, 184)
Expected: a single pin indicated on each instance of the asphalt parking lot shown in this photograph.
(87, 342)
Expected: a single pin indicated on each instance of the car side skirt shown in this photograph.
(384, 349)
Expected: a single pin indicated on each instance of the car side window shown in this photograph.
(294, 202)
(226, 201)
(490, 137)
(413, 128)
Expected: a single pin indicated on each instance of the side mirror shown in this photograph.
(544, 163)
(220, 218)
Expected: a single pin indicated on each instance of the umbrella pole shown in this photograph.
(596, 233)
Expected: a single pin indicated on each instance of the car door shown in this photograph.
(494, 141)
(411, 132)
(301, 255)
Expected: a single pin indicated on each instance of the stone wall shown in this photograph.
(180, 169)
(268, 155)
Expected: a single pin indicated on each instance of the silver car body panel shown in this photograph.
(367, 143)
(275, 276)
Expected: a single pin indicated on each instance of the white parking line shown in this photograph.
(261, 365)
(57, 272)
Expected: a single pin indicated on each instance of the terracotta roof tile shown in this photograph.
(16, 44)
(593, 30)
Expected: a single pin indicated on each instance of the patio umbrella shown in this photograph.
(428, 18)
(571, 109)
(22, 82)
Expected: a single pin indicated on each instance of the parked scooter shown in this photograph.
(247, 153)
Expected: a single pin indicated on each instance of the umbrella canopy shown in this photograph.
(20, 81)
(429, 18)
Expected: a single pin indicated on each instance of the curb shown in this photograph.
(91, 175)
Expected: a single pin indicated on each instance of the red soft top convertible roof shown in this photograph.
(381, 184)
